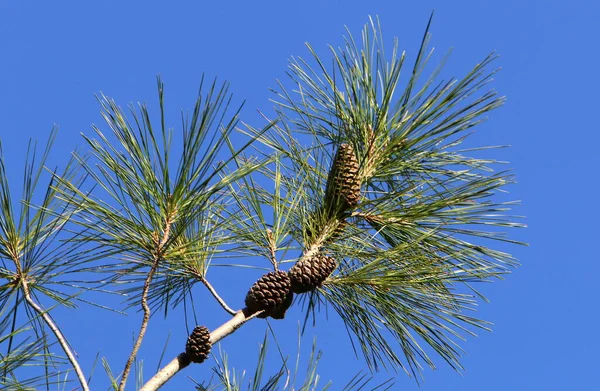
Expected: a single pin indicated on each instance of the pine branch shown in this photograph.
(212, 290)
(29, 241)
(22, 280)
(414, 243)
(414, 207)
(181, 361)
(158, 256)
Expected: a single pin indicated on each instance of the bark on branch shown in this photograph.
(182, 360)
(144, 302)
(55, 329)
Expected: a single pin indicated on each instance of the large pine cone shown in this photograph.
(309, 274)
(269, 292)
(343, 184)
(198, 344)
(279, 311)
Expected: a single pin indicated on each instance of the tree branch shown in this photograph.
(55, 329)
(182, 360)
(320, 240)
(215, 294)
(145, 307)
(167, 372)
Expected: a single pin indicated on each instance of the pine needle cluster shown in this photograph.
(421, 232)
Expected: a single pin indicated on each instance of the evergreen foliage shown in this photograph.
(363, 186)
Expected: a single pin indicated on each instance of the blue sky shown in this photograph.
(56, 55)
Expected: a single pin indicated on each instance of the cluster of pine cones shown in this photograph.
(273, 293)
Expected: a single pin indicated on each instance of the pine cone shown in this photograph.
(269, 292)
(343, 184)
(279, 311)
(198, 344)
(309, 274)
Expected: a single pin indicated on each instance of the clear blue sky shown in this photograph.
(55, 55)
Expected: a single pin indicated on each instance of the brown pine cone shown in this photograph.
(269, 292)
(198, 344)
(343, 184)
(309, 274)
(279, 311)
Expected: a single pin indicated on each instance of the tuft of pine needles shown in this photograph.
(430, 209)
(227, 378)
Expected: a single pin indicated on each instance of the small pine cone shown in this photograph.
(309, 274)
(198, 344)
(279, 311)
(343, 183)
(269, 292)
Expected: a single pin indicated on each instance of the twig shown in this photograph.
(182, 360)
(215, 294)
(146, 308)
(167, 372)
(227, 328)
(55, 329)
